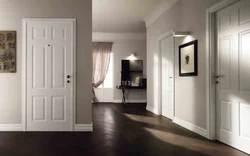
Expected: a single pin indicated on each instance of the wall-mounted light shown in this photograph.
(181, 33)
(132, 57)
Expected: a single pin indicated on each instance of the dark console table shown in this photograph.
(131, 70)
(123, 88)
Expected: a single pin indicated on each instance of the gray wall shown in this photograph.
(123, 49)
(190, 96)
(11, 14)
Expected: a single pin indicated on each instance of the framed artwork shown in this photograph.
(188, 54)
(135, 78)
(7, 51)
(136, 65)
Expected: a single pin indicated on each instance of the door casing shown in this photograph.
(24, 68)
(165, 35)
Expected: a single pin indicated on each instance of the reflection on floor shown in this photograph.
(118, 131)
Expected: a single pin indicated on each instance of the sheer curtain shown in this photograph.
(101, 53)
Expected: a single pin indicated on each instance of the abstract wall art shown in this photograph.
(7, 51)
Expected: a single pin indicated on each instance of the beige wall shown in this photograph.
(11, 14)
(190, 96)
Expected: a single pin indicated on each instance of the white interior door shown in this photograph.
(167, 78)
(49, 75)
(233, 69)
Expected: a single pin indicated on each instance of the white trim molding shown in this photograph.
(210, 65)
(201, 131)
(167, 34)
(164, 6)
(131, 101)
(112, 37)
(83, 127)
(153, 110)
(11, 127)
(24, 80)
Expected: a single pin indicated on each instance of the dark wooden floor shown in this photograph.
(118, 131)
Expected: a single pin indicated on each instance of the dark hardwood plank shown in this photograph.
(119, 130)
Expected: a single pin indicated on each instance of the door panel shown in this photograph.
(39, 62)
(58, 108)
(233, 91)
(49, 61)
(167, 78)
(225, 45)
(226, 116)
(244, 13)
(224, 21)
(59, 33)
(170, 101)
(39, 109)
(244, 50)
(39, 33)
(244, 118)
(58, 66)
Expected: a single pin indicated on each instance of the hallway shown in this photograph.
(118, 131)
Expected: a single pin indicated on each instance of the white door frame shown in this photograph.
(24, 69)
(165, 35)
(210, 65)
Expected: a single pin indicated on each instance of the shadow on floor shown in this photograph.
(129, 137)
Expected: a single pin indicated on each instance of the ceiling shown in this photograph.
(121, 15)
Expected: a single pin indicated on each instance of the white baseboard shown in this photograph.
(83, 127)
(153, 110)
(131, 101)
(18, 127)
(196, 129)
(11, 127)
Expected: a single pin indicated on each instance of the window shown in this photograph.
(108, 82)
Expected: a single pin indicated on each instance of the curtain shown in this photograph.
(101, 53)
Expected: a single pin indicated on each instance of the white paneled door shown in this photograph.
(49, 75)
(233, 76)
(167, 78)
